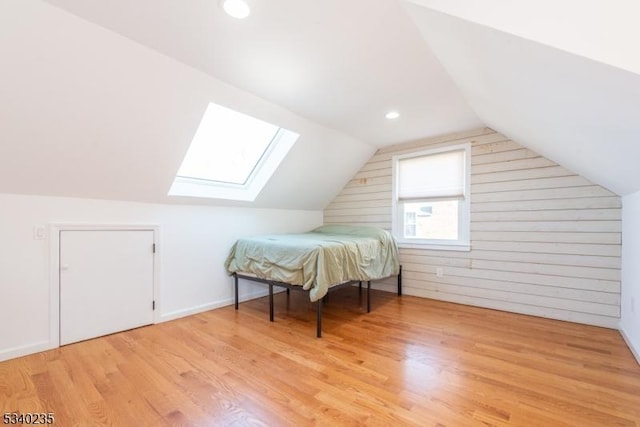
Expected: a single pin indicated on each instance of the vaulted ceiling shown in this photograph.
(101, 98)
(562, 78)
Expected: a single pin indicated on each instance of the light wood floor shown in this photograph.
(410, 361)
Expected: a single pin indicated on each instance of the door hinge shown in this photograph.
(153, 305)
(154, 248)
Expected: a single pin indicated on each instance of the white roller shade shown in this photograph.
(432, 176)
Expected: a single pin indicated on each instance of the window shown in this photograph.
(431, 198)
(231, 156)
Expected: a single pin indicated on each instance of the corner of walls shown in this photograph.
(635, 350)
(630, 308)
(544, 241)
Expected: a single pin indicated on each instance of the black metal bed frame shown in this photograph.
(288, 287)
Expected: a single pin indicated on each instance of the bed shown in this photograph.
(328, 257)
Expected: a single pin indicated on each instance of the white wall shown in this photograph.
(544, 241)
(630, 321)
(193, 244)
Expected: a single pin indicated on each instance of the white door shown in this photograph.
(106, 282)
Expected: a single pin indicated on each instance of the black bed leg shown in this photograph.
(319, 319)
(368, 296)
(400, 281)
(270, 302)
(235, 279)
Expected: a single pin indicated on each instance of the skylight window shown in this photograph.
(232, 156)
(227, 146)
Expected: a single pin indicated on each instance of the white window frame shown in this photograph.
(463, 243)
(274, 154)
(271, 159)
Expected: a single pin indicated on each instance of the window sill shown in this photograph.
(435, 247)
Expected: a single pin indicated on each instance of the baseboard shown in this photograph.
(213, 305)
(24, 350)
(634, 351)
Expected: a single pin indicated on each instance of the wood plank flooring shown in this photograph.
(411, 361)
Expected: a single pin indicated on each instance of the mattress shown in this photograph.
(326, 256)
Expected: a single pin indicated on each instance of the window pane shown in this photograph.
(227, 146)
(431, 220)
(410, 223)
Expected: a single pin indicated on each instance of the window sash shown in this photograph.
(462, 196)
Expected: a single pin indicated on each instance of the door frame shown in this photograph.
(54, 268)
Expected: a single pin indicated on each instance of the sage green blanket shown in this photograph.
(326, 256)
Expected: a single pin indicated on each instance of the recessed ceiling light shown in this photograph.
(392, 115)
(238, 9)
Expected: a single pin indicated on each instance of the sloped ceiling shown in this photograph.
(342, 64)
(88, 113)
(562, 78)
(100, 99)
(593, 29)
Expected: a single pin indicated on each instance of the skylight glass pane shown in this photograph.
(227, 146)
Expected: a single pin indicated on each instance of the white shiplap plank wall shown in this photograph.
(544, 240)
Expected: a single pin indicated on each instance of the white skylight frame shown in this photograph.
(278, 146)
